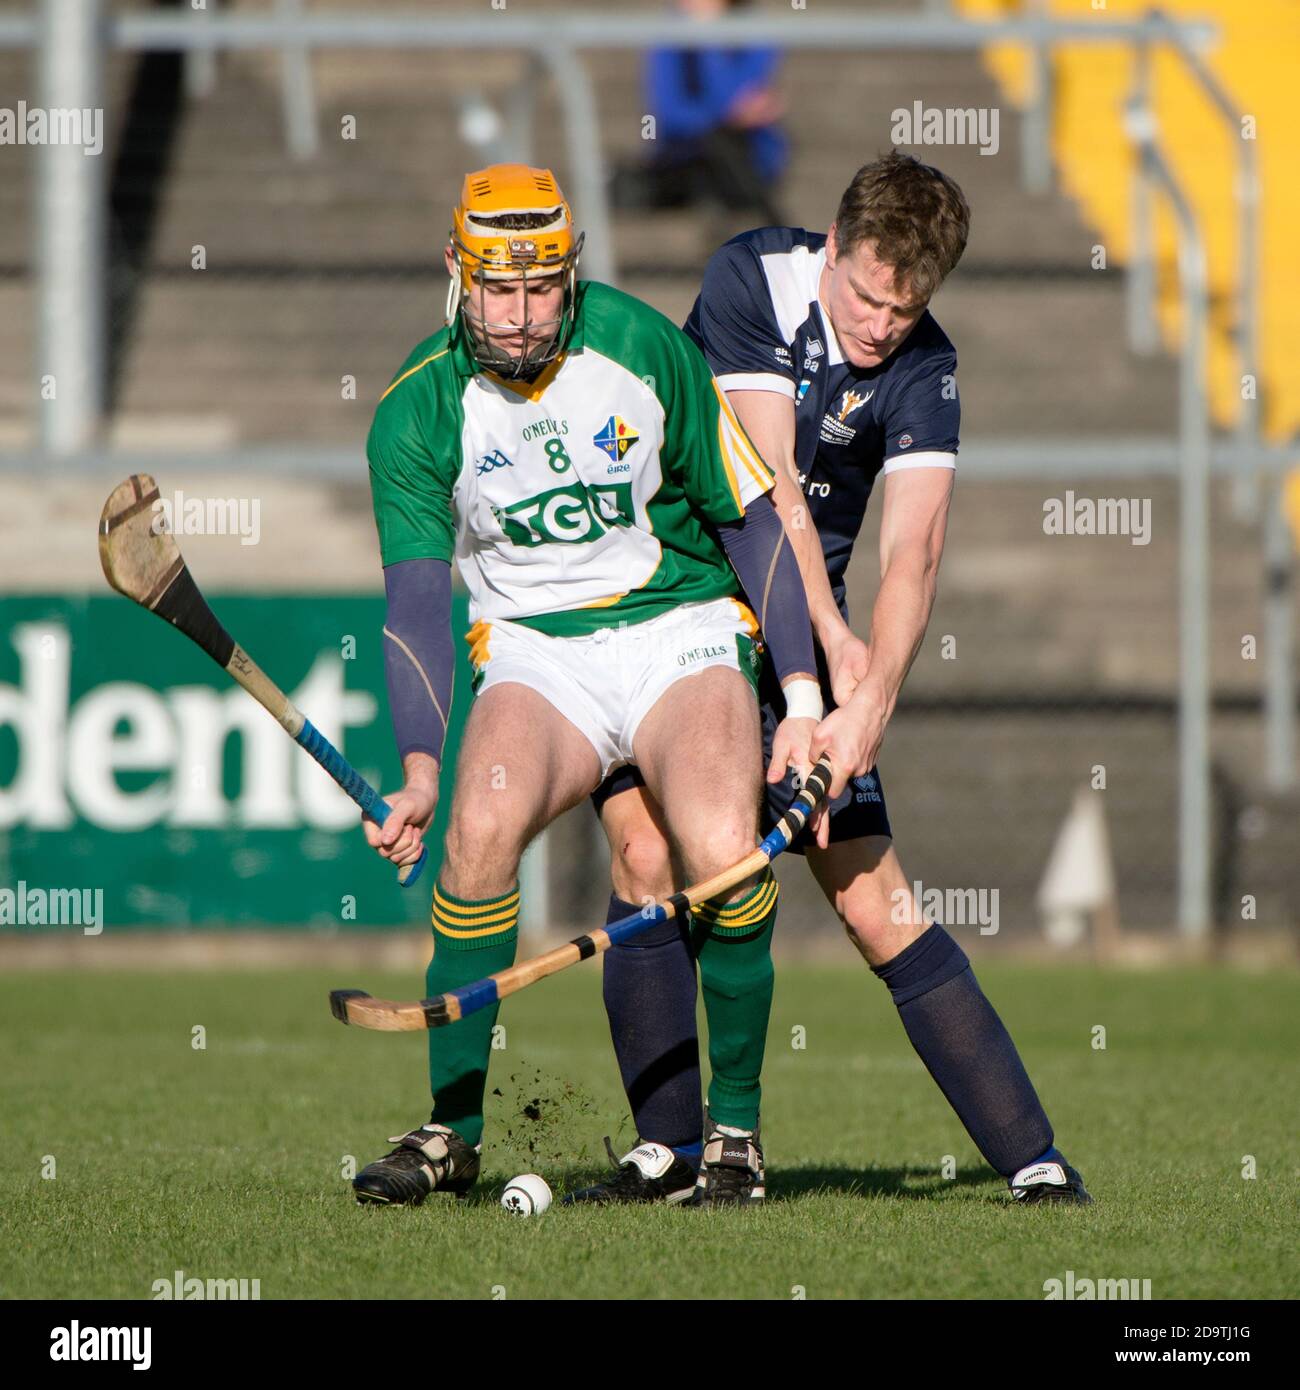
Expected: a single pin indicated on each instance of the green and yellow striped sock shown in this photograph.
(470, 940)
(736, 976)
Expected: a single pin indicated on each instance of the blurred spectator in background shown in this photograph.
(716, 133)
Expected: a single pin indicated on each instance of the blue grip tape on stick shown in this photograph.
(356, 786)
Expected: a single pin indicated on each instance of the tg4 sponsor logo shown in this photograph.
(572, 515)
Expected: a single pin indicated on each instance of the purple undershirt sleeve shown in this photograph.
(419, 662)
(764, 561)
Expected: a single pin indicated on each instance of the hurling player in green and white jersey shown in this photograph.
(569, 447)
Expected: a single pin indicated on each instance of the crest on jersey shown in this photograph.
(835, 427)
(616, 438)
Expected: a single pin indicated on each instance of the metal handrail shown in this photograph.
(298, 90)
(1256, 465)
(990, 459)
(1141, 283)
(1194, 908)
(138, 30)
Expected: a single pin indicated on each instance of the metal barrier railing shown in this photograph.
(1194, 913)
(83, 29)
(998, 460)
(1142, 324)
(1255, 475)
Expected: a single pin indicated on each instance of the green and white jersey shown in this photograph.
(580, 501)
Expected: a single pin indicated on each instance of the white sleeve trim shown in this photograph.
(933, 458)
(757, 381)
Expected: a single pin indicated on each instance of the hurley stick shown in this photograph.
(388, 1016)
(142, 560)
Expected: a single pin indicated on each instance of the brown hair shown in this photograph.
(916, 218)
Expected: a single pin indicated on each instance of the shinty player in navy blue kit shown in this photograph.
(840, 375)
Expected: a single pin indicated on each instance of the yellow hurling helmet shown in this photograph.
(512, 224)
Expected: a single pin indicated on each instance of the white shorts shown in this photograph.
(606, 684)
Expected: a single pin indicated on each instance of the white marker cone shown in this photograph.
(1080, 877)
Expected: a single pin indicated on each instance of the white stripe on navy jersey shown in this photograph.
(792, 279)
(760, 322)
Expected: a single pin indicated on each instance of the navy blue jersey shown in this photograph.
(761, 326)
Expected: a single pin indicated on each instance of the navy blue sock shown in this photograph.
(967, 1050)
(650, 999)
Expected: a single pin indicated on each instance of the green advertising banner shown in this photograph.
(132, 767)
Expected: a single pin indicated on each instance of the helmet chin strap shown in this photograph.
(532, 356)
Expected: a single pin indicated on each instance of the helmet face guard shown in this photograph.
(513, 227)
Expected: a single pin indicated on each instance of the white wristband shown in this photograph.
(803, 699)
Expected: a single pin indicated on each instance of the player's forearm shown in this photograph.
(796, 516)
(419, 662)
(898, 624)
(420, 770)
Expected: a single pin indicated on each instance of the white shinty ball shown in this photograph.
(527, 1195)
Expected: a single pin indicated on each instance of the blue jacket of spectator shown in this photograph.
(690, 91)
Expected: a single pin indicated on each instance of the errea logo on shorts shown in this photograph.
(694, 654)
(866, 788)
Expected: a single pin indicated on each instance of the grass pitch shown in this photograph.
(228, 1161)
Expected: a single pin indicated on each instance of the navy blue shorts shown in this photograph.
(857, 812)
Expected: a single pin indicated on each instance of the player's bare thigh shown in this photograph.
(700, 751)
(521, 764)
(864, 882)
(640, 857)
